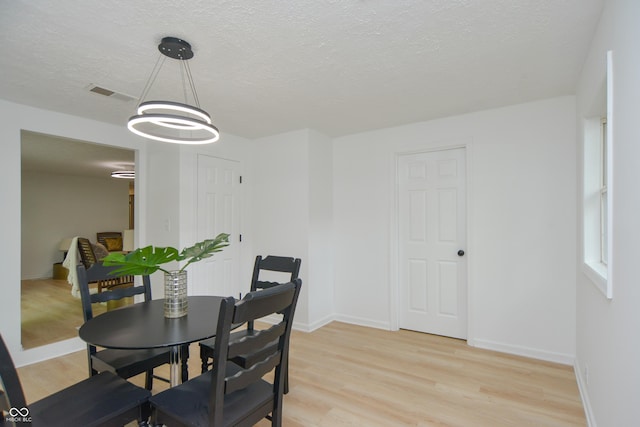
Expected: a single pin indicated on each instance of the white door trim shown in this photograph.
(394, 233)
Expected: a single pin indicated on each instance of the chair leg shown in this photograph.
(145, 413)
(204, 357)
(148, 380)
(276, 416)
(285, 366)
(184, 357)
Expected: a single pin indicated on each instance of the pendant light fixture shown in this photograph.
(123, 174)
(170, 121)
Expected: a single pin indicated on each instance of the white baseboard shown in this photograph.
(565, 359)
(584, 395)
(317, 324)
(300, 326)
(362, 322)
(46, 352)
(310, 327)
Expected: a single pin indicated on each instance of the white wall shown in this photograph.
(320, 280)
(608, 348)
(280, 203)
(55, 207)
(161, 224)
(291, 203)
(521, 218)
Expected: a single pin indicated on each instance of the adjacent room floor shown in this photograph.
(49, 312)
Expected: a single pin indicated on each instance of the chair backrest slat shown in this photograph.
(259, 304)
(253, 374)
(260, 284)
(87, 255)
(275, 263)
(257, 340)
(280, 263)
(117, 294)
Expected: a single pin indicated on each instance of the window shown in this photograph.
(597, 190)
(603, 193)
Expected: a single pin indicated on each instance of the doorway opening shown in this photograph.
(66, 191)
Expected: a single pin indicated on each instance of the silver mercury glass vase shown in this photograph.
(175, 294)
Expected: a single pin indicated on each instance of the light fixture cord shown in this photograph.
(152, 78)
(191, 84)
(183, 67)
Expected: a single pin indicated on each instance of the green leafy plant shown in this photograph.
(147, 260)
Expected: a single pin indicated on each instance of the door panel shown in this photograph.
(432, 228)
(218, 212)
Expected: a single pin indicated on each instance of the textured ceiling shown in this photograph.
(263, 67)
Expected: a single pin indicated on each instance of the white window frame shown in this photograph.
(598, 193)
(604, 208)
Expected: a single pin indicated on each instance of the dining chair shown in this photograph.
(125, 363)
(230, 394)
(101, 400)
(289, 268)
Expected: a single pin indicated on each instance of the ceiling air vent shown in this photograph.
(110, 93)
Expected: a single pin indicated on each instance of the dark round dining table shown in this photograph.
(143, 325)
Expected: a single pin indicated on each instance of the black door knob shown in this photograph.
(460, 252)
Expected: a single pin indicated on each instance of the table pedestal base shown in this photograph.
(175, 366)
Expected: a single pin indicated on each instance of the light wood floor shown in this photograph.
(345, 375)
(49, 312)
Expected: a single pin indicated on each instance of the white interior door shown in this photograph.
(432, 239)
(218, 212)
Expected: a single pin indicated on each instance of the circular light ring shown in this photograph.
(123, 174)
(150, 107)
(174, 122)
